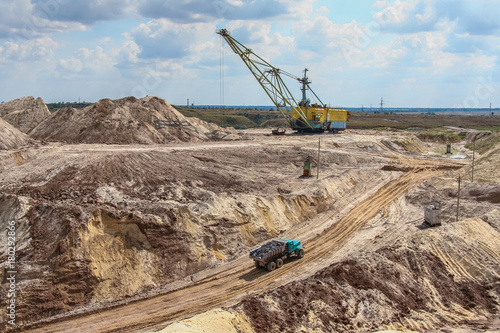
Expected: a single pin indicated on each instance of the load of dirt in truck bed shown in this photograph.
(10, 137)
(24, 113)
(129, 120)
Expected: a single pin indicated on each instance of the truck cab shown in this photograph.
(293, 246)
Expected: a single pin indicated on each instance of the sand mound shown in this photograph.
(128, 120)
(24, 113)
(10, 137)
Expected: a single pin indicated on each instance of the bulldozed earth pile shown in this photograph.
(24, 113)
(149, 120)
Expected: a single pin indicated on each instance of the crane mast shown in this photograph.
(302, 116)
(305, 83)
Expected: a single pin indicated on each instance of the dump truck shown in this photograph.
(272, 254)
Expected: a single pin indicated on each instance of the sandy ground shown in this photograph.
(131, 217)
(347, 228)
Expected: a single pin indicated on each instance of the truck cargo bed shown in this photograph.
(269, 250)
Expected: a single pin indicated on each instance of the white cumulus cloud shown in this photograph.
(161, 38)
(18, 21)
(40, 49)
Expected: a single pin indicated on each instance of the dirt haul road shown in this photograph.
(238, 278)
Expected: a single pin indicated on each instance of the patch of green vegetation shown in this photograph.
(219, 118)
(238, 122)
(374, 123)
(489, 128)
(274, 123)
(485, 142)
(440, 135)
(237, 118)
(260, 117)
(361, 120)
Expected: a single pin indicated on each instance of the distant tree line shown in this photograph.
(59, 105)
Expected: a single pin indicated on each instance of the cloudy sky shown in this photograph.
(413, 53)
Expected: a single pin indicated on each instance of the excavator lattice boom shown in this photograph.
(302, 116)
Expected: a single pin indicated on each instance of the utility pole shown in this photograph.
(458, 197)
(319, 150)
(473, 156)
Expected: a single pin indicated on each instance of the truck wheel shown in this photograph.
(301, 253)
(279, 262)
(257, 264)
(271, 266)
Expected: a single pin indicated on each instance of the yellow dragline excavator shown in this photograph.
(302, 116)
